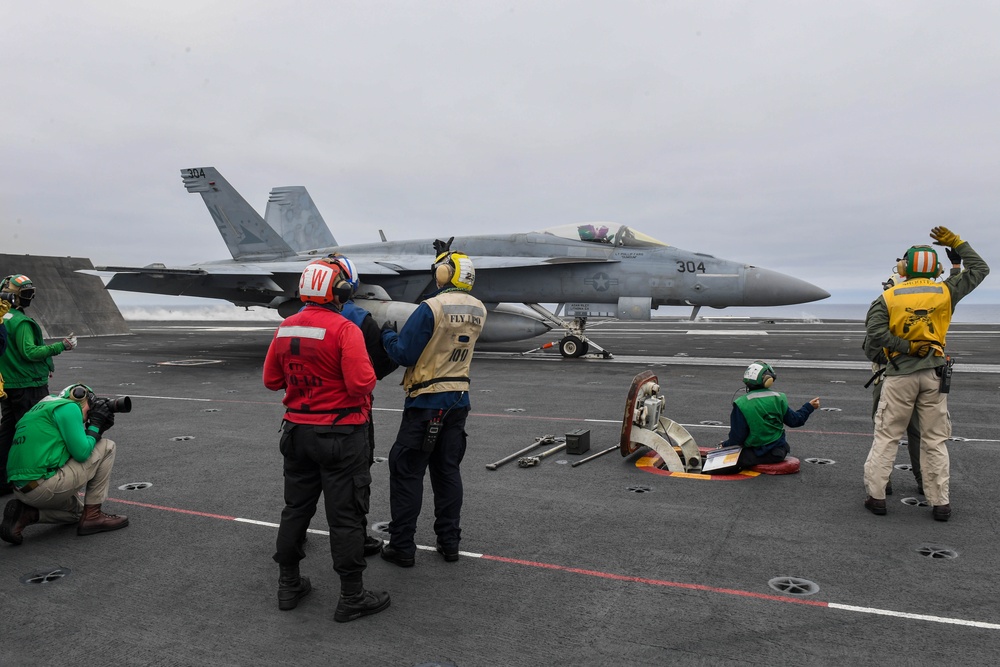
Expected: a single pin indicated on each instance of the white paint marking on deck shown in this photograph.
(725, 332)
(915, 617)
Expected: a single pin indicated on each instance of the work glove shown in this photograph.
(101, 418)
(953, 256)
(389, 325)
(919, 348)
(69, 342)
(946, 237)
(4, 306)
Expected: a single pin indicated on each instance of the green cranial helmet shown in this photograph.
(921, 262)
(21, 287)
(78, 392)
(759, 375)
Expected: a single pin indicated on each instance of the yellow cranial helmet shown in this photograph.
(456, 269)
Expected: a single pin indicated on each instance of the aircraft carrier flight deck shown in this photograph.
(605, 563)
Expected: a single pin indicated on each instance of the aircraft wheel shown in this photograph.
(572, 346)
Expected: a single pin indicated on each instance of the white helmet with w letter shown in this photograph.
(323, 281)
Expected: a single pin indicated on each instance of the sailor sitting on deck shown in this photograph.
(757, 422)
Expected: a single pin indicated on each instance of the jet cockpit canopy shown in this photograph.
(605, 232)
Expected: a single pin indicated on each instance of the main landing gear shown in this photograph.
(575, 343)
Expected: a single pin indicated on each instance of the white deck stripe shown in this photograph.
(829, 605)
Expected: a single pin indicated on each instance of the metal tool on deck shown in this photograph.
(539, 441)
(531, 461)
(643, 424)
(594, 456)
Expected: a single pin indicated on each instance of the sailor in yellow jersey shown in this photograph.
(909, 321)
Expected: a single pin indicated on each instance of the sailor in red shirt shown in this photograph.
(319, 359)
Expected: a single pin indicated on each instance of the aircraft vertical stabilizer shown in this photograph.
(244, 231)
(291, 211)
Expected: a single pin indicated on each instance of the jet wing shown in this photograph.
(419, 263)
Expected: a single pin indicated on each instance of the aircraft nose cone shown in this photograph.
(764, 287)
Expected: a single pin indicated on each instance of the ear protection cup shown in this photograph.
(342, 291)
(77, 392)
(759, 374)
(443, 273)
(901, 267)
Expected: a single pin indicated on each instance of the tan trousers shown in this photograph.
(902, 395)
(56, 498)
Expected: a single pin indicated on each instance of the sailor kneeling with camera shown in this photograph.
(59, 446)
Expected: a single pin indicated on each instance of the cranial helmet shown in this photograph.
(759, 375)
(78, 392)
(350, 272)
(454, 268)
(21, 287)
(323, 282)
(893, 280)
(920, 261)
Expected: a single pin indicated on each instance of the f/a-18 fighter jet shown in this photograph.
(591, 270)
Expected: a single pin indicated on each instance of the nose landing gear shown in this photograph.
(575, 343)
(573, 346)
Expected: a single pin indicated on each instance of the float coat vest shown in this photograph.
(444, 363)
(39, 449)
(20, 371)
(764, 410)
(919, 310)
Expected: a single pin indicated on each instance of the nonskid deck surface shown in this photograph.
(598, 564)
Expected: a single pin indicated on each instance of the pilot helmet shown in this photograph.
(323, 282)
(454, 268)
(759, 375)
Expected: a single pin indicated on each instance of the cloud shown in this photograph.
(817, 140)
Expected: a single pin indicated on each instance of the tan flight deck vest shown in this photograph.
(919, 309)
(444, 363)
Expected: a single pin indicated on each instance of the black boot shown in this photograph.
(373, 545)
(291, 587)
(16, 517)
(354, 605)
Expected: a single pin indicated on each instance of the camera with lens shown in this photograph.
(120, 404)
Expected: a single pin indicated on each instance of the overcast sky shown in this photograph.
(819, 139)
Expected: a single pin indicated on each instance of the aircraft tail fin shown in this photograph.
(292, 213)
(246, 233)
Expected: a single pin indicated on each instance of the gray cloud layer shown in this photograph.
(817, 139)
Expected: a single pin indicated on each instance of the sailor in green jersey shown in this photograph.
(59, 446)
(757, 422)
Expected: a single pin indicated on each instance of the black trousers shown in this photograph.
(18, 402)
(407, 464)
(320, 459)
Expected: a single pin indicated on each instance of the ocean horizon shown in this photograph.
(981, 313)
